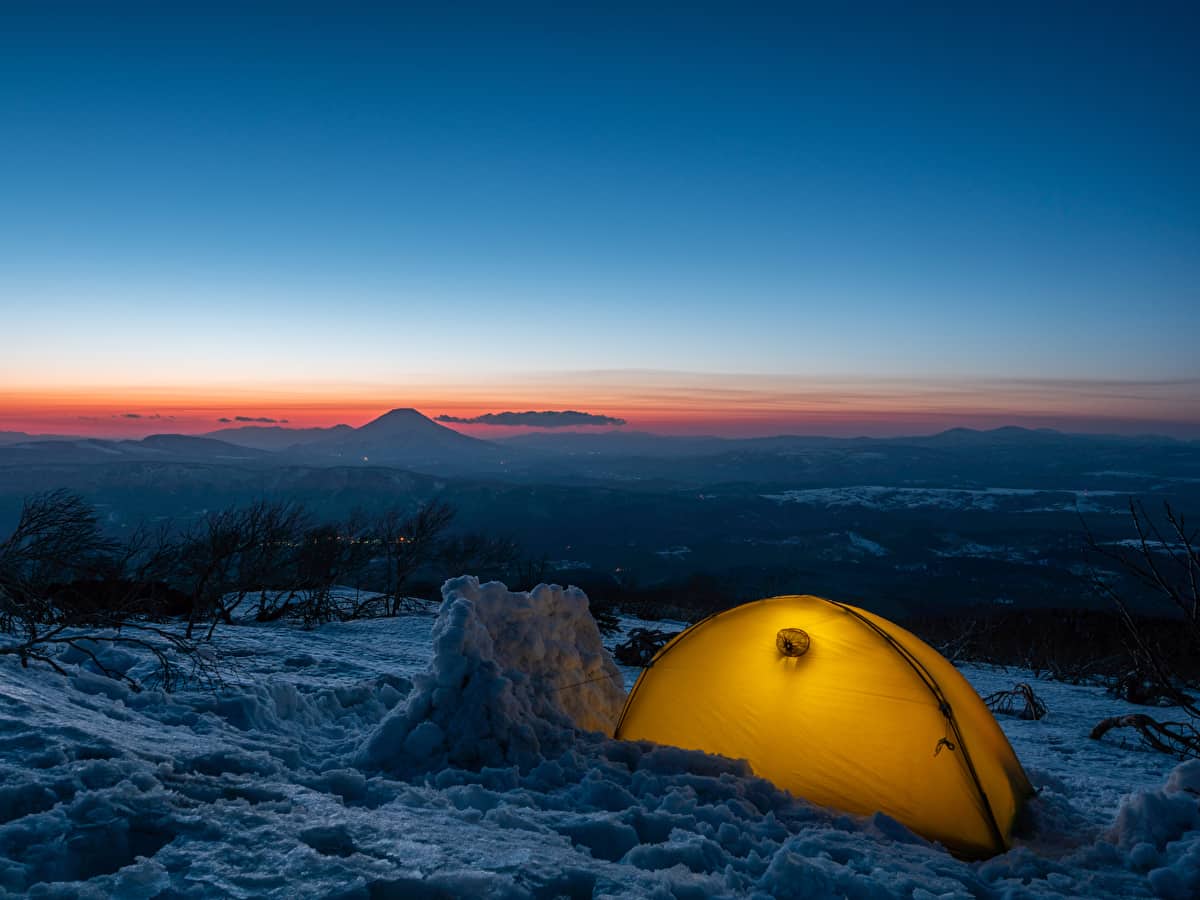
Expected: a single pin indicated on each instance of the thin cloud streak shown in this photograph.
(567, 418)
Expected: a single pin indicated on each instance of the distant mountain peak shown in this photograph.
(402, 411)
(402, 418)
(405, 435)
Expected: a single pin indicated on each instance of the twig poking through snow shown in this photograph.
(1021, 702)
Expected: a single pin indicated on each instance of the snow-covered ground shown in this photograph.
(327, 767)
(962, 499)
(866, 545)
(987, 551)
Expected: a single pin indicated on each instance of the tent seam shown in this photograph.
(944, 707)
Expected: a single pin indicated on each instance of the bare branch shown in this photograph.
(1180, 739)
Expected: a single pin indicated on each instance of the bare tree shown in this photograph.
(208, 559)
(66, 589)
(411, 542)
(177, 659)
(332, 556)
(64, 586)
(266, 565)
(57, 539)
(532, 572)
(476, 552)
(1162, 561)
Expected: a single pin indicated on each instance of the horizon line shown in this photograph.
(507, 432)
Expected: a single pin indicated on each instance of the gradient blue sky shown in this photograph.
(339, 198)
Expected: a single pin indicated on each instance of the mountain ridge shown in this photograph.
(405, 438)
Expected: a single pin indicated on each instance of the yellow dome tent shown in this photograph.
(841, 707)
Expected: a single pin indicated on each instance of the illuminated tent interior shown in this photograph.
(841, 707)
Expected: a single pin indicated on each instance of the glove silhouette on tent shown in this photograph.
(841, 707)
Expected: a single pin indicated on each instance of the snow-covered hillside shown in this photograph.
(328, 768)
(961, 499)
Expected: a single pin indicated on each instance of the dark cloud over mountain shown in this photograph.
(261, 420)
(545, 419)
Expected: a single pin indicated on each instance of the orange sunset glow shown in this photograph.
(670, 403)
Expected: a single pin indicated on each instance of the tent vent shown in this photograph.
(792, 641)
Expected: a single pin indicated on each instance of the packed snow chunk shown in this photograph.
(1161, 830)
(1162, 816)
(1185, 778)
(605, 836)
(513, 676)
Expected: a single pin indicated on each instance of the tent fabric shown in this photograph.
(867, 718)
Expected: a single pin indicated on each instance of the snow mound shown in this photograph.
(513, 676)
(1161, 832)
(254, 790)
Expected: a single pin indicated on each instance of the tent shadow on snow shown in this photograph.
(829, 702)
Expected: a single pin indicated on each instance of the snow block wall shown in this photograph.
(513, 676)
